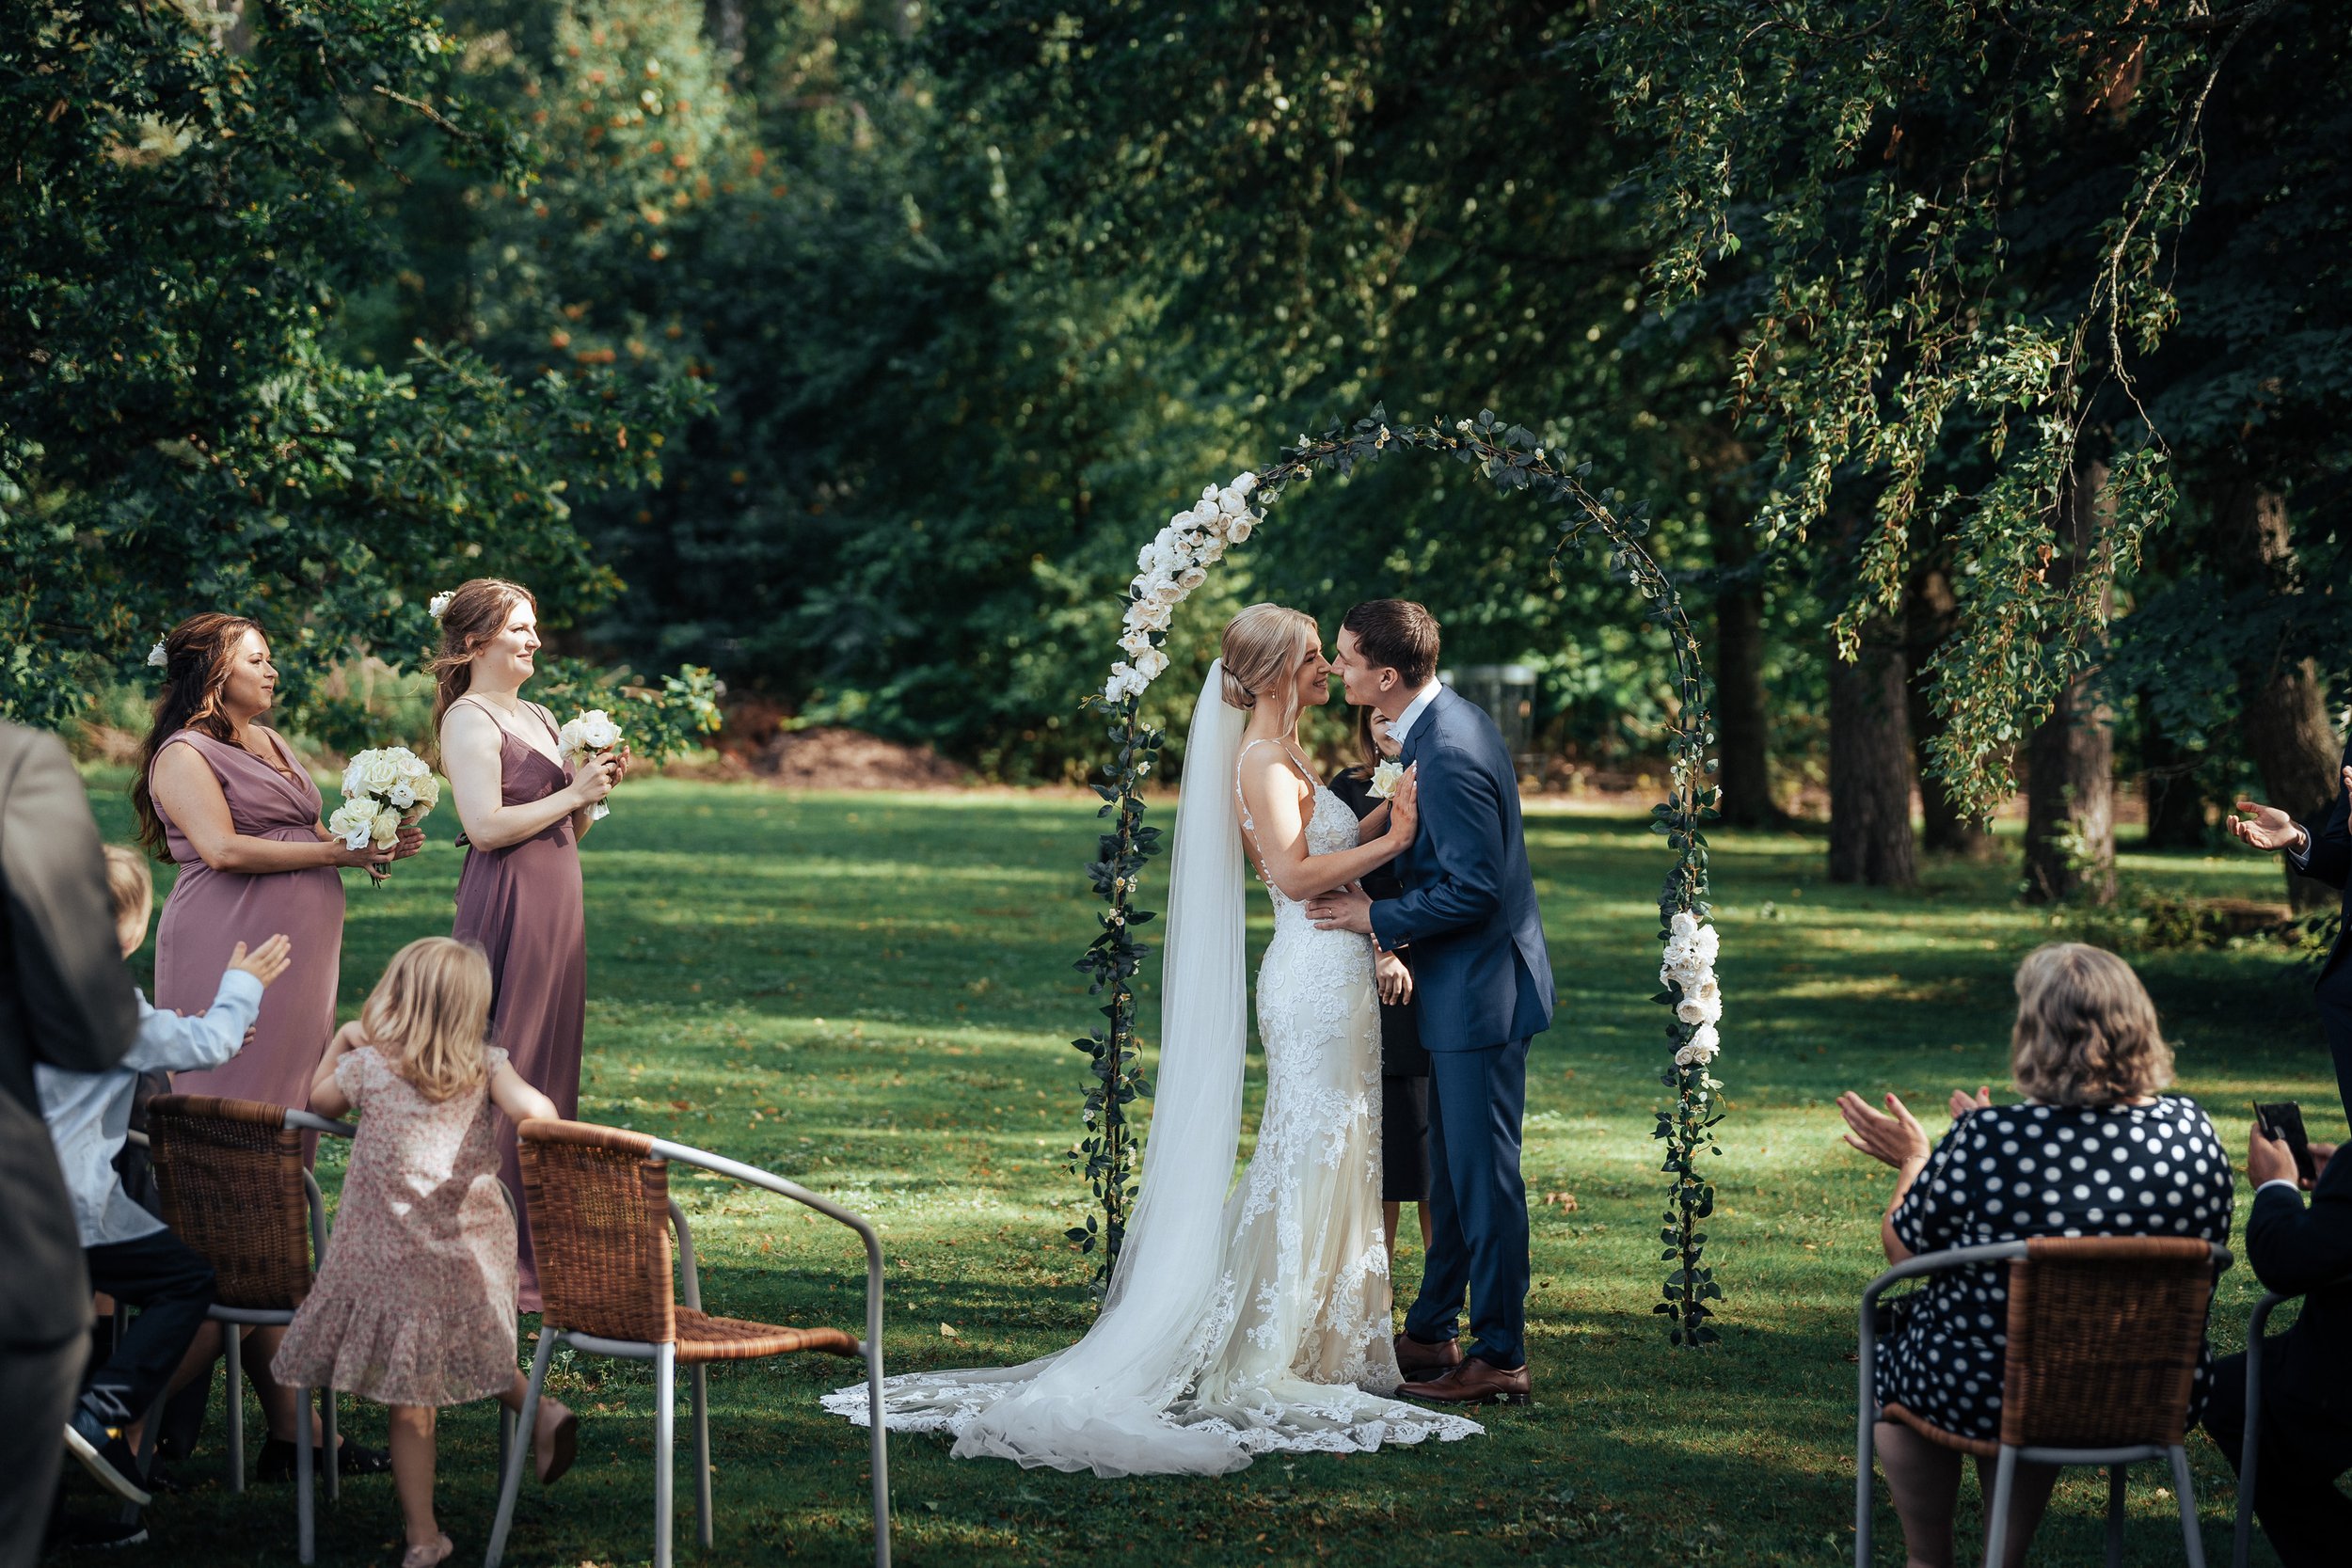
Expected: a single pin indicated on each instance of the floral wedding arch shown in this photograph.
(1176, 562)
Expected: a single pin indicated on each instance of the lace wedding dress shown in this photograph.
(1236, 1324)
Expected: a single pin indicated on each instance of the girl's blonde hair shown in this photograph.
(1264, 647)
(2085, 1032)
(430, 1015)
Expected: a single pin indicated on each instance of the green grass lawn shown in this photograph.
(873, 994)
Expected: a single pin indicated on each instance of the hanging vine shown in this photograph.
(1177, 561)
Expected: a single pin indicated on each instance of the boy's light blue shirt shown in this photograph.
(88, 1113)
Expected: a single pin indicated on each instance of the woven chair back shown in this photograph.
(2104, 1333)
(600, 1207)
(231, 1174)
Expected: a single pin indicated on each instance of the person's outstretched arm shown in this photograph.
(79, 1011)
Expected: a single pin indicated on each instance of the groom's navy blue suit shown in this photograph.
(1482, 981)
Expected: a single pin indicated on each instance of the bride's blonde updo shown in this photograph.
(1265, 645)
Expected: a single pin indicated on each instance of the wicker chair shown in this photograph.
(2104, 1333)
(600, 1224)
(2242, 1541)
(237, 1189)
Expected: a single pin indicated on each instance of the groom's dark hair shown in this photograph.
(1399, 634)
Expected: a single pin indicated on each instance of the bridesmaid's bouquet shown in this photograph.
(385, 789)
(590, 733)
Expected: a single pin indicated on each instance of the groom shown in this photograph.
(1483, 984)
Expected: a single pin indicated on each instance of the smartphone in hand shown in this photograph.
(2283, 1119)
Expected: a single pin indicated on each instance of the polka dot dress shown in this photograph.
(2011, 1172)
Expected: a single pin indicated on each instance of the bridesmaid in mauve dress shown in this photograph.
(226, 802)
(519, 897)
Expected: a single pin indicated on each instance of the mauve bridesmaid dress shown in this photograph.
(522, 905)
(209, 911)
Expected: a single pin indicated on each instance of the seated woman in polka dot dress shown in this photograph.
(2095, 1151)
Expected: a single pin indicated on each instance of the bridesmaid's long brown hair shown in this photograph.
(196, 673)
(476, 613)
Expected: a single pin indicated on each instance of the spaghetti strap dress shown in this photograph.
(523, 906)
(209, 911)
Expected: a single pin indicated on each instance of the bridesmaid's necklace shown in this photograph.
(268, 758)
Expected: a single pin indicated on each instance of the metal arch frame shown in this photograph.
(664, 1358)
(1996, 1506)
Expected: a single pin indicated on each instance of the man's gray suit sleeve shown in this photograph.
(73, 995)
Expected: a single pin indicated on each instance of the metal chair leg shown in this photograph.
(1997, 1507)
(2250, 1445)
(332, 1447)
(233, 1397)
(306, 1439)
(878, 1443)
(2186, 1488)
(506, 1438)
(700, 1387)
(2115, 1514)
(511, 1480)
(665, 1438)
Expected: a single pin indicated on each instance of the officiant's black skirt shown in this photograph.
(1403, 1140)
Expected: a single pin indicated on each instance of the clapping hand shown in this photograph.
(1896, 1140)
(267, 962)
(1963, 1103)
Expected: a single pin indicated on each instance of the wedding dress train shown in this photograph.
(1241, 1323)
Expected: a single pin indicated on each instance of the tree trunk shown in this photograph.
(2070, 762)
(2283, 703)
(2176, 799)
(1744, 737)
(1869, 765)
(1930, 612)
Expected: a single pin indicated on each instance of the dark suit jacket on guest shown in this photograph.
(2293, 1248)
(1467, 911)
(65, 999)
(1401, 1053)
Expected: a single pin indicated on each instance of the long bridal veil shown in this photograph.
(1103, 1404)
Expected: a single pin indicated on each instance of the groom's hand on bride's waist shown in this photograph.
(1345, 909)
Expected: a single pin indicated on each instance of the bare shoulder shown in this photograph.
(466, 725)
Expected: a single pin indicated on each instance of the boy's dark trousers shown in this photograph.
(171, 1285)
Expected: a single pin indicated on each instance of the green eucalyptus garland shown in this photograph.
(1106, 1154)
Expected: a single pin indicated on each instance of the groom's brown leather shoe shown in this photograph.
(1475, 1381)
(1418, 1361)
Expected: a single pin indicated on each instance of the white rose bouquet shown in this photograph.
(590, 733)
(385, 789)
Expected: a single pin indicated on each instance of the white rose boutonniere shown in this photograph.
(1385, 779)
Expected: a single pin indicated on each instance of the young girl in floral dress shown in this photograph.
(414, 1307)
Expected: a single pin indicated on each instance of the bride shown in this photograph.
(1260, 1320)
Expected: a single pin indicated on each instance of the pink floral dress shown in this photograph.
(415, 1302)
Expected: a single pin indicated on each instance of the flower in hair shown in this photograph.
(157, 658)
(436, 605)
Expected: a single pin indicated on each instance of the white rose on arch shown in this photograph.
(1170, 568)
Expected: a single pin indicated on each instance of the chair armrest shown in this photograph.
(308, 1122)
(753, 1176)
(2274, 1299)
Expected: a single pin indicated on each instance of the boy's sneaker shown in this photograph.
(105, 1456)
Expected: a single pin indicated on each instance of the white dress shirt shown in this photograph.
(1414, 709)
(88, 1113)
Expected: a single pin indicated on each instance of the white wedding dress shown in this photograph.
(1236, 1324)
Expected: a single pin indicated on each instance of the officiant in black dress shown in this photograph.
(2320, 848)
(1403, 1064)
